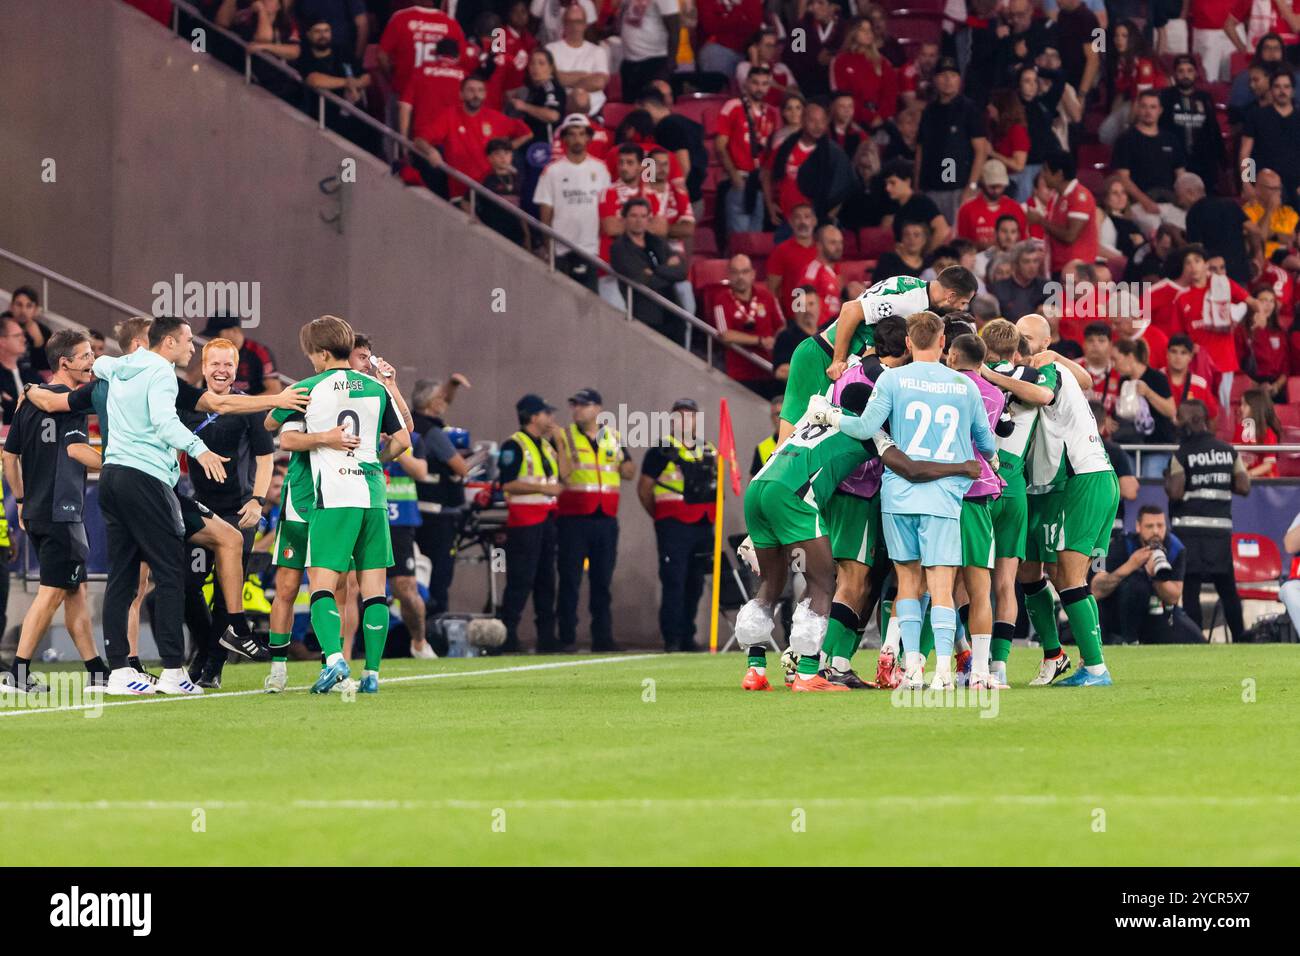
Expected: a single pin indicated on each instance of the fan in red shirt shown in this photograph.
(1183, 381)
(637, 127)
(433, 86)
(1160, 302)
(1262, 345)
(729, 23)
(860, 69)
(502, 55)
(1257, 424)
(823, 272)
(669, 202)
(628, 184)
(1071, 222)
(410, 40)
(746, 314)
(977, 219)
(781, 188)
(790, 259)
(459, 136)
(1207, 311)
(740, 116)
(1099, 364)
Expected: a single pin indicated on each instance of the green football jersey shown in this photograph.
(1049, 376)
(1013, 449)
(362, 405)
(298, 493)
(899, 295)
(816, 456)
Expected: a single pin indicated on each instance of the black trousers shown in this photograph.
(210, 655)
(682, 568)
(436, 537)
(1126, 616)
(593, 538)
(530, 569)
(143, 521)
(634, 75)
(1225, 583)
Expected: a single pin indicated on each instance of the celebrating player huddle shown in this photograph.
(961, 463)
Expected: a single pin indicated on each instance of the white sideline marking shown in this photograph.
(170, 698)
(650, 803)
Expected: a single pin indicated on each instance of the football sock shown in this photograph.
(134, 663)
(95, 665)
(326, 623)
(808, 664)
(841, 636)
(279, 647)
(1040, 604)
(758, 658)
(980, 644)
(1003, 632)
(22, 666)
(238, 621)
(1081, 610)
(943, 620)
(908, 611)
(963, 631)
(374, 624)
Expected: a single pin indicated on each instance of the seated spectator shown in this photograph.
(647, 259)
(860, 71)
(541, 101)
(503, 180)
(1183, 382)
(898, 137)
(459, 137)
(977, 218)
(433, 86)
(865, 205)
(1140, 592)
(806, 313)
(25, 308)
(765, 50)
(908, 255)
(907, 205)
(1270, 133)
(844, 131)
(1257, 424)
(824, 33)
(745, 126)
(790, 259)
(637, 127)
(684, 137)
(1117, 233)
(725, 27)
(671, 217)
(1099, 363)
(1133, 71)
(1272, 221)
(1022, 292)
(1147, 158)
(746, 313)
(1008, 230)
(568, 200)
(1145, 409)
(1192, 114)
(579, 63)
(1262, 346)
(1008, 132)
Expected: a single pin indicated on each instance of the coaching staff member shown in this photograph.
(530, 476)
(596, 462)
(1142, 587)
(138, 499)
(1203, 476)
(678, 488)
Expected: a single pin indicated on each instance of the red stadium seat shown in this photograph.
(705, 242)
(1238, 63)
(1093, 179)
(917, 26)
(705, 271)
(614, 88)
(703, 108)
(850, 245)
(856, 270)
(1094, 156)
(875, 241)
(752, 244)
(613, 114)
(1293, 389)
(1288, 415)
(1256, 562)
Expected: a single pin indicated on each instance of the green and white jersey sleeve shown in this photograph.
(898, 295)
(1067, 442)
(1014, 448)
(298, 493)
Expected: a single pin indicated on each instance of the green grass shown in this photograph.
(587, 771)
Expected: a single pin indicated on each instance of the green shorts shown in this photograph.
(776, 516)
(1010, 526)
(1044, 538)
(977, 533)
(290, 545)
(854, 526)
(808, 367)
(338, 536)
(1091, 502)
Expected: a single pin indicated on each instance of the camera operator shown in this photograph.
(1142, 587)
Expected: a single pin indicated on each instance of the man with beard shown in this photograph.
(1190, 114)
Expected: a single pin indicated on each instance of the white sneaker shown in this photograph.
(424, 651)
(174, 680)
(913, 679)
(943, 682)
(128, 682)
(1050, 669)
(276, 682)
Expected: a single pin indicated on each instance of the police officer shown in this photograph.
(763, 451)
(1203, 476)
(678, 488)
(530, 475)
(597, 462)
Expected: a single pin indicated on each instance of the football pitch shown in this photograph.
(1191, 759)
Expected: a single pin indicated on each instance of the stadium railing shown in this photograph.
(476, 191)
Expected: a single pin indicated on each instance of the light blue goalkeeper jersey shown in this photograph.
(934, 414)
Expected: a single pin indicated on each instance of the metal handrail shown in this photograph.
(477, 192)
(49, 275)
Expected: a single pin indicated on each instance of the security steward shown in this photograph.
(763, 451)
(1203, 476)
(531, 476)
(597, 461)
(678, 488)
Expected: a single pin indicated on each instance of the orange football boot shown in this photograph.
(755, 681)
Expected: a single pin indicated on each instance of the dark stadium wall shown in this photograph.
(166, 164)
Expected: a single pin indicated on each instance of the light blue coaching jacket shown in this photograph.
(142, 417)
